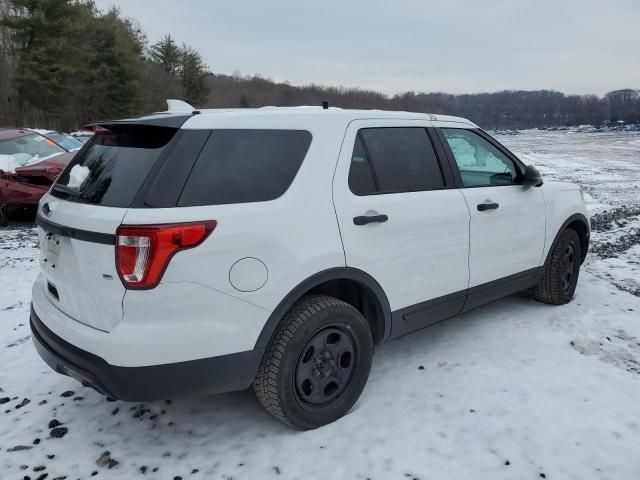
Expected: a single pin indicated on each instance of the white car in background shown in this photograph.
(208, 251)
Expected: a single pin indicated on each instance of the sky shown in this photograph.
(453, 46)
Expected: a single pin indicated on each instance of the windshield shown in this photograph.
(26, 150)
(67, 142)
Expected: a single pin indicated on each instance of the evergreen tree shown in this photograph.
(167, 54)
(109, 82)
(43, 34)
(185, 65)
(74, 64)
(193, 72)
(158, 85)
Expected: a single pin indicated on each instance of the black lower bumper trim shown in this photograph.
(219, 374)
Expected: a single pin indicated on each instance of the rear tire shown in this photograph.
(316, 364)
(561, 270)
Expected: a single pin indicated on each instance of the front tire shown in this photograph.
(561, 270)
(316, 364)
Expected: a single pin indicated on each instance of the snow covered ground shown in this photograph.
(514, 390)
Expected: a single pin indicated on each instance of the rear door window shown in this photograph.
(394, 160)
(241, 166)
(113, 167)
(361, 181)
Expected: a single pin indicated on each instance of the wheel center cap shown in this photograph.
(324, 363)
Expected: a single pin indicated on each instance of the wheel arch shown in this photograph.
(351, 285)
(580, 224)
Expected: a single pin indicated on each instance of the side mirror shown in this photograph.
(531, 177)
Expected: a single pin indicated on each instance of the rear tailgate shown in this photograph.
(79, 217)
(77, 258)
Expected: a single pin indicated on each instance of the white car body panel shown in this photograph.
(421, 252)
(507, 240)
(299, 228)
(169, 324)
(84, 274)
(562, 200)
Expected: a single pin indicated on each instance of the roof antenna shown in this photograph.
(325, 105)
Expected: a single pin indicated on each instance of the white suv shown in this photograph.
(208, 251)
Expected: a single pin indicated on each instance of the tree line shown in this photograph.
(65, 63)
(505, 109)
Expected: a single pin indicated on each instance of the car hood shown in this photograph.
(49, 168)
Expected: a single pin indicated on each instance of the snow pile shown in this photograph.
(9, 163)
(77, 176)
(512, 390)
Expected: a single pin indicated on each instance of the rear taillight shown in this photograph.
(143, 251)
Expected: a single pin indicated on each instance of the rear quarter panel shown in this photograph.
(294, 236)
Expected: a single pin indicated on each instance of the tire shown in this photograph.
(316, 363)
(560, 276)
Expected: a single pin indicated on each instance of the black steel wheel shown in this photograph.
(568, 267)
(560, 271)
(316, 364)
(325, 367)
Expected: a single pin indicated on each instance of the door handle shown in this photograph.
(487, 206)
(366, 219)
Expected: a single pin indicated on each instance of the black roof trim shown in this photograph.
(171, 121)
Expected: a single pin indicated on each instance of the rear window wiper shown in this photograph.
(72, 192)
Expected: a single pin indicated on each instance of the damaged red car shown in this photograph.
(29, 164)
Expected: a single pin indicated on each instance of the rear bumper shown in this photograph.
(219, 374)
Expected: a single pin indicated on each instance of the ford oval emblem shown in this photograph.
(46, 209)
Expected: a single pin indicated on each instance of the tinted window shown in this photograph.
(112, 168)
(481, 164)
(361, 180)
(238, 166)
(403, 159)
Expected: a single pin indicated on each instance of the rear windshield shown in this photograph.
(240, 166)
(110, 170)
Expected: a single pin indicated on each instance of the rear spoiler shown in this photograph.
(178, 112)
(162, 120)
